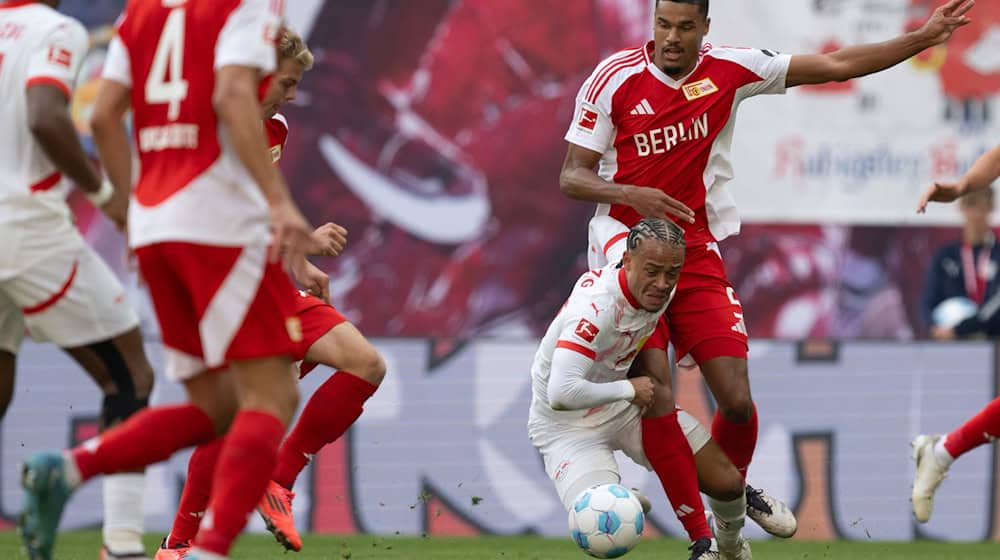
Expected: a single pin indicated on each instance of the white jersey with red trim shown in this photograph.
(602, 322)
(675, 135)
(38, 45)
(192, 186)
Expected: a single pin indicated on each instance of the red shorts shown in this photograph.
(317, 318)
(705, 316)
(216, 304)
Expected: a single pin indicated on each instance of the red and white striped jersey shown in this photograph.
(192, 185)
(674, 135)
(38, 45)
(602, 321)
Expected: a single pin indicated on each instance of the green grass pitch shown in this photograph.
(83, 545)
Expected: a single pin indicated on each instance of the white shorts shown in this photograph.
(70, 298)
(606, 238)
(572, 452)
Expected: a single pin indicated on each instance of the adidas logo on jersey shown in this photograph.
(643, 108)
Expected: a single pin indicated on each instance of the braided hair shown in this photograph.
(661, 230)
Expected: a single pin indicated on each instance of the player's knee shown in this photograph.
(663, 400)
(118, 407)
(730, 485)
(375, 368)
(370, 366)
(736, 408)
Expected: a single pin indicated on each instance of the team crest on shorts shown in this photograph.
(294, 327)
(561, 471)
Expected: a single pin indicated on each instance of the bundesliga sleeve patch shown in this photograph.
(586, 330)
(588, 120)
(60, 56)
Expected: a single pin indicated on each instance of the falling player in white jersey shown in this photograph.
(51, 281)
(584, 406)
(651, 137)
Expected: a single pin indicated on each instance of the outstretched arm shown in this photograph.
(979, 177)
(861, 60)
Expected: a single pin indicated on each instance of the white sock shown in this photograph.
(729, 520)
(123, 513)
(941, 453)
(585, 481)
(70, 471)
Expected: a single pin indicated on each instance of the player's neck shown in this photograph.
(974, 235)
(672, 73)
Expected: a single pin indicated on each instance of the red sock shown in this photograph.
(246, 461)
(331, 410)
(976, 431)
(147, 437)
(197, 490)
(737, 440)
(669, 453)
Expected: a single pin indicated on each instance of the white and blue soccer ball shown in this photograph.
(606, 521)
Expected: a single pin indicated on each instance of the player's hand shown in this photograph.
(945, 20)
(942, 333)
(116, 209)
(654, 203)
(940, 192)
(643, 392)
(292, 235)
(312, 280)
(331, 239)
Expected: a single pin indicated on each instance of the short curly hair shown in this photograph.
(702, 4)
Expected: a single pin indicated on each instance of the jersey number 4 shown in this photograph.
(166, 83)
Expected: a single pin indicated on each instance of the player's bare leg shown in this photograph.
(934, 455)
(120, 367)
(8, 367)
(666, 446)
(734, 428)
(267, 394)
(331, 410)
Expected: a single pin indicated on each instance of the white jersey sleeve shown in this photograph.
(248, 38)
(117, 66)
(592, 126)
(770, 66)
(579, 345)
(57, 59)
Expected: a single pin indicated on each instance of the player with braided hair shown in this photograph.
(585, 405)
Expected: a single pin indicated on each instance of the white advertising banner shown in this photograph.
(860, 152)
(442, 448)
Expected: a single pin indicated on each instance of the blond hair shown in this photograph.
(291, 45)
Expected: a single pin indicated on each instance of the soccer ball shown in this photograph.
(606, 521)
